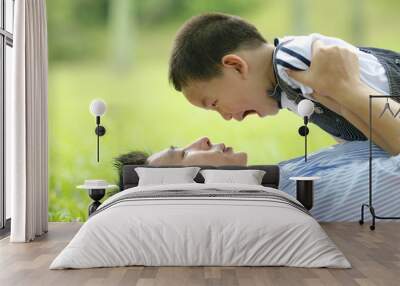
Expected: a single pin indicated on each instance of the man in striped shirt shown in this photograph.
(222, 63)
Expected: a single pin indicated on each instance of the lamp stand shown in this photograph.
(303, 131)
(305, 140)
(100, 131)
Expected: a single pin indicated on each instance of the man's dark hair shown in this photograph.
(203, 41)
(131, 158)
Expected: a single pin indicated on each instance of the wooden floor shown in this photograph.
(375, 257)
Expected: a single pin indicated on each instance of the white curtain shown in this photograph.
(26, 123)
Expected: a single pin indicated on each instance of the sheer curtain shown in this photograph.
(26, 129)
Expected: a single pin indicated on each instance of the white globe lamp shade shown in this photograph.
(305, 108)
(97, 107)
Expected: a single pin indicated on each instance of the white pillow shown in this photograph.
(248, 177)
(163, 176)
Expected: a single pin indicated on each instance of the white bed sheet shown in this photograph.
(200, 231)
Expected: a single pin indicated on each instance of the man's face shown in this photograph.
(232, 95)
(200, 152)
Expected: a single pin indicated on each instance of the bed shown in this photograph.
(197, 224)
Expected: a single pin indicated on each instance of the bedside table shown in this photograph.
(305, 190)
(96, 190)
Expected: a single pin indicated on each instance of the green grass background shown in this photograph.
(145, 113)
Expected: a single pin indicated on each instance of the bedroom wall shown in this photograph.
(98, 50)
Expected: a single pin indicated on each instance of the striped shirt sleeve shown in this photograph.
(295, 54)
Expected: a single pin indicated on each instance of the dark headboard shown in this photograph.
(130, 178)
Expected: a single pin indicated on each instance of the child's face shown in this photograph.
(241, 90)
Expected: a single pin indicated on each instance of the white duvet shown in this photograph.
(200, 231)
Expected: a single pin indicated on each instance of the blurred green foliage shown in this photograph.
(155, 12)
(74, 24)
(74, 28)
(144, 112)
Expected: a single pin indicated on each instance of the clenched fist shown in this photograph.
(334, 71)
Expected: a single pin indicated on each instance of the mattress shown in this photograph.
(201, 225)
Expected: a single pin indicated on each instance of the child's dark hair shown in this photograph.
(203, 41)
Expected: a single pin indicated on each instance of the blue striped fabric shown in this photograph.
(344, 182)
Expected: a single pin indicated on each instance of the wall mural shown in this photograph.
(118, 51)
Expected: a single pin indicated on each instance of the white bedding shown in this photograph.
(200, 231)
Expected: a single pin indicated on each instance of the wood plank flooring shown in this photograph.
(375, 257)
